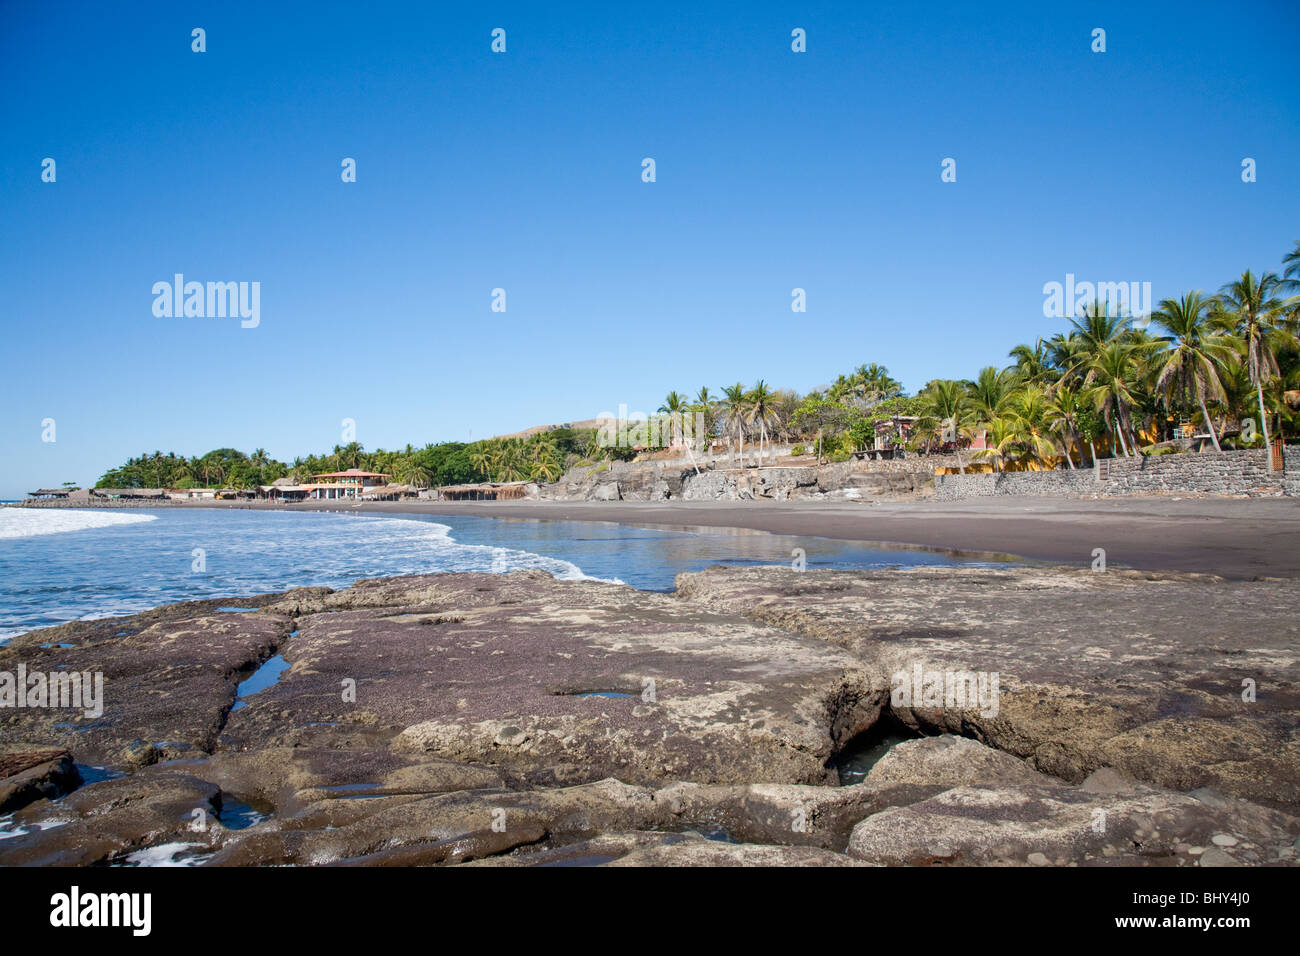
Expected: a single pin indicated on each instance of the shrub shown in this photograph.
(798, 450)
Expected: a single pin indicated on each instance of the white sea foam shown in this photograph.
(167, 854)
(27, 523)
(9, 829)
(431, 547)
(247, 553)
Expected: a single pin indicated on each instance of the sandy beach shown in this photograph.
(1233, 538)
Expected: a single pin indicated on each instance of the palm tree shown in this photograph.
(946, 401)
(1030, 412)
(1291, 262)
(703, 404)
(989, 393)
(545, 461)
(349, 456)
(510, 460)
(1063, 406)
(1252, 306)
(1291, 283)
(873, 383)
(408, 471)
(481, 458)
(760, 411)
(999, 442)
(1063, 350)
(840, 389)
(1196, 351)
(1110, 379)
(734, 405)
(1291, 269)
(674, 405)
(1093, 331)
(182, 470)
(1032, 364)
(592, 447)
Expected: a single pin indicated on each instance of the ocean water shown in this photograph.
(64, 565)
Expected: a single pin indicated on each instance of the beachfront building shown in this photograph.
(50, 494)
(893, 432)
(391, 492)
(234, 494)
(488, 491)
(284, 489)
(134, 494)
(352, 483)
(191, 494)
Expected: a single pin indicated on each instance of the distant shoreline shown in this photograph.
(1228, 537)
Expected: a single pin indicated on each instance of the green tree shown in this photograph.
(1189, 367)
(1251, 307)
(759, 411)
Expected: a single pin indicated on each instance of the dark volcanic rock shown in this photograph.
(1140, 671)
(503, 720)
(560, 682)
(27, 775)
(168, 685)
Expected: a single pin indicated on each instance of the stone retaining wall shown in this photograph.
(1207, 473)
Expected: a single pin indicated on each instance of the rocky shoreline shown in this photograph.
(714, 480)
(1140, 718)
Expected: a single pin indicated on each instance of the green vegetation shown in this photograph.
(1208, 362)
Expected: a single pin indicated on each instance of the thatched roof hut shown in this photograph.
(486, 491)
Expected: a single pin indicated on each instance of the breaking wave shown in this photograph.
(27, 523)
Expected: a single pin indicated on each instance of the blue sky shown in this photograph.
(522, 171)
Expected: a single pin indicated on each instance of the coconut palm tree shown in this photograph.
(1291, 284)
(1000, 441)
(873, 383)
(512, 461)
(1064, 405)
(734, 407)
(1291, 262)
(1291, 269)
(545, 461)
(408, 471)
(1093, 331)
(760, 411)
(481, 458)
(674, 406)
(1063, 351)
(1196, 351)
(1253, 307)
(1110, 387)
(704, 405)
(182, 470)
(1030, 412)
(349, 456)
(989, 393)
(1033, 364)
(946, 401)
(1238, 390)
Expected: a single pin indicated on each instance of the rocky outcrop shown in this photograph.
(28, 774)
(1181, 680)
(476, 719)
(716, 481)
(996, 810)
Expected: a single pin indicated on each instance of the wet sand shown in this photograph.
(1233, 538)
